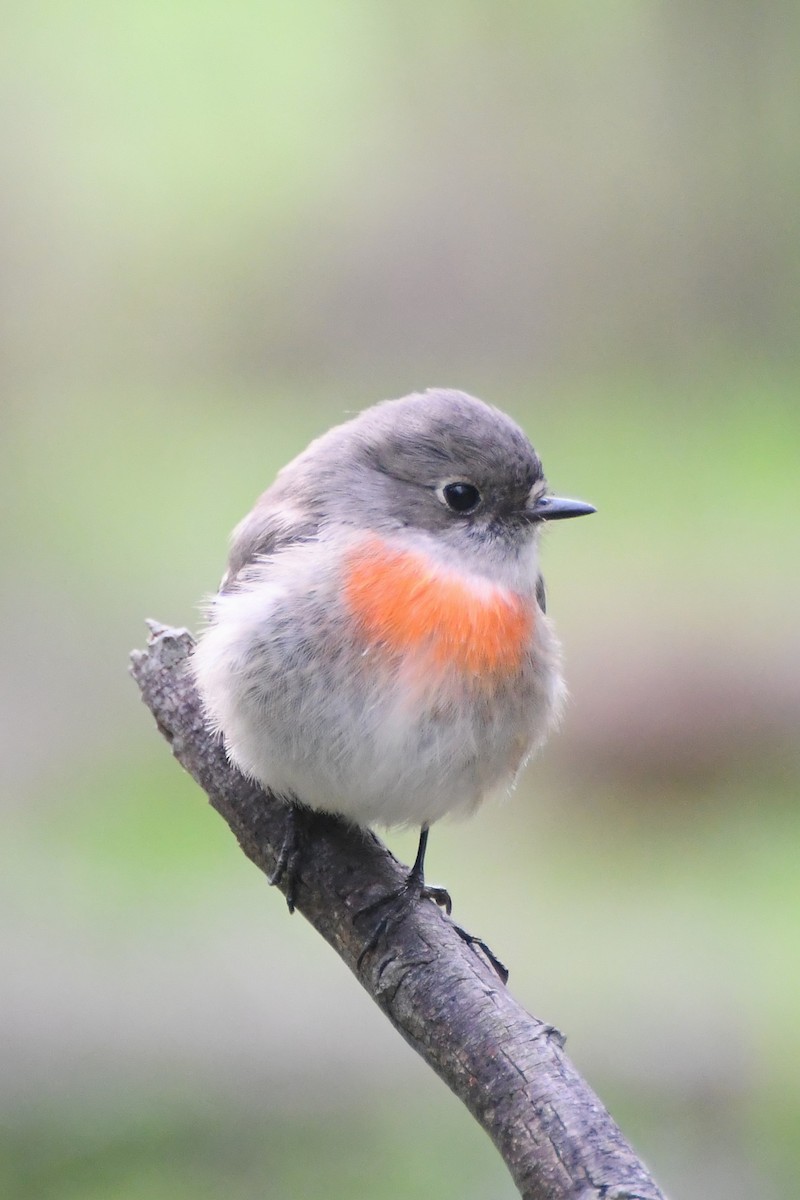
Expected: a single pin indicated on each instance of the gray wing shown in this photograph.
(267, 528)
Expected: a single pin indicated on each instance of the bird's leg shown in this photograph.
(416, 877)
(399, 902)
(287, 864)
(415, 880)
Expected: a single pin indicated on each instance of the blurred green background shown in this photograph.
(222, 228)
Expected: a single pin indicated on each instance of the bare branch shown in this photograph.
(508, 1067)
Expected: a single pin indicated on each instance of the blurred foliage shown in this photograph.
(223, 228)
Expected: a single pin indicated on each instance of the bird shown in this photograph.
(379, 647)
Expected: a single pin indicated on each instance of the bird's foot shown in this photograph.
(478, 944)
(397, 905)
(401, 901)
(290, 855)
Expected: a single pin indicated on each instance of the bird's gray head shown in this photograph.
(438, 463)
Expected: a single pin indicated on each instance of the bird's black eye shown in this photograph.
(460, 497)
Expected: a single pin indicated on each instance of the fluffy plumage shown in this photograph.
(372, 652)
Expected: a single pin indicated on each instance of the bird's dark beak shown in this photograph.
(555, 508)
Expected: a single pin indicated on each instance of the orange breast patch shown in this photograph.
(404, 602)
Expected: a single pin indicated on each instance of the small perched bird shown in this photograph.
(379, 647)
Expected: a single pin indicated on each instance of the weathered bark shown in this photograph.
(508, 1067)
